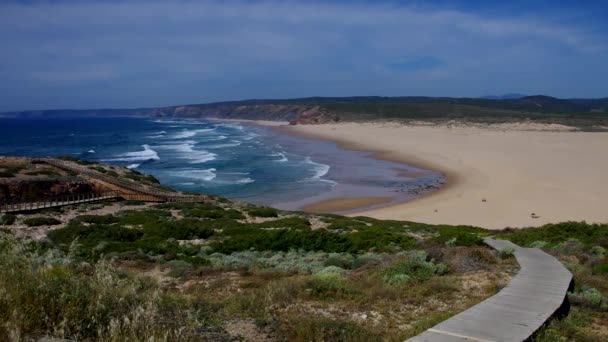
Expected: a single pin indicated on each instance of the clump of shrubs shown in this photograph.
(7, 219)
(413, 267)
(263, 212)
(590, 297)
(41, 221)
(330, 282)
(506, 252)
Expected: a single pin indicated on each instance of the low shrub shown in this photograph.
(414, 267)
(98, 219)
(506, 252)
(590, 297)
(7, 219)
(330, 283)
(178, 268)
(344, 261)
(41, 221)
(455, 237)
(538, 244)
(133, 202)
(553, 234)
(263, 212)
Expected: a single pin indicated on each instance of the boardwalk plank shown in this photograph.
(517, 311)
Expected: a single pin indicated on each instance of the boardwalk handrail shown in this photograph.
(162, 194)
(57, 201)
(534, 295)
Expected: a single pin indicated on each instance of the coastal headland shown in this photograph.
(497, 176)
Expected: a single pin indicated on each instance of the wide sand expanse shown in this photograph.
(497, 176)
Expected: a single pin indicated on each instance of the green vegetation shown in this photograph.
(76, 160)
(45, 172)
(41, 221)
(7, 219)
(553, 234)
(10, 171)
(54, 295)
(263, 212)
(188, 271)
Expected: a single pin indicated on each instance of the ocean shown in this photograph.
(240, 161)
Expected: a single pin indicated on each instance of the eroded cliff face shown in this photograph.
(295, 114)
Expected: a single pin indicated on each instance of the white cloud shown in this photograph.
(209, 50)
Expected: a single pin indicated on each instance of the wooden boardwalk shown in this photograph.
(534, 295)
(127, 190)
(58, 202)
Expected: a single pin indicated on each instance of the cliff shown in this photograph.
(293, 113)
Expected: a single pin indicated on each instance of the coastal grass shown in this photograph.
(194, 271)
(53, 295)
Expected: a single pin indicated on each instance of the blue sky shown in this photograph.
(112, 54)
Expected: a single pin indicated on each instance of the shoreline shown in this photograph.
(337, 202)
(494, 177)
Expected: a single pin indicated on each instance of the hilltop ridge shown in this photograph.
(582, 113)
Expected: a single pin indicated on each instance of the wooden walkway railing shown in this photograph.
(159, 194)
(537, 292)
(13, 207)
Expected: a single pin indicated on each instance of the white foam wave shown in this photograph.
(187, 133)
(201, 175)
(280, 154)
(231, 144)
(184, 134)
(186, 150)
(319, 170)
(245, 181)
(133, 166)
(91, 151)
(251, 136)
(157, 135)
(227, 125)
(146, 154)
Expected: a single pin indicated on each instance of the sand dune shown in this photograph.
(558, 175)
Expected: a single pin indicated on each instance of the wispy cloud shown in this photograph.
(147, 53)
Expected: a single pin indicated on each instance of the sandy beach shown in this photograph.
(497, 176)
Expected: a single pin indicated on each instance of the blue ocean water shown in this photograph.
(239, 161)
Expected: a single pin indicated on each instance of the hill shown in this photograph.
(586, 114)
(224, 270)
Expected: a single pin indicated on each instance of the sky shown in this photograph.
(129, 54)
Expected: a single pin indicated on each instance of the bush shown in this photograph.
(598, 251)
(553, 234)
(178, 268)
(263, 212)
(506, 252)
(415, 267)
(133, 202)
(452, 237)
(590, 297)
(344, 261)
(98, 219)
(7, 219)
(539, 244)
(41, 221)
(330, 283)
